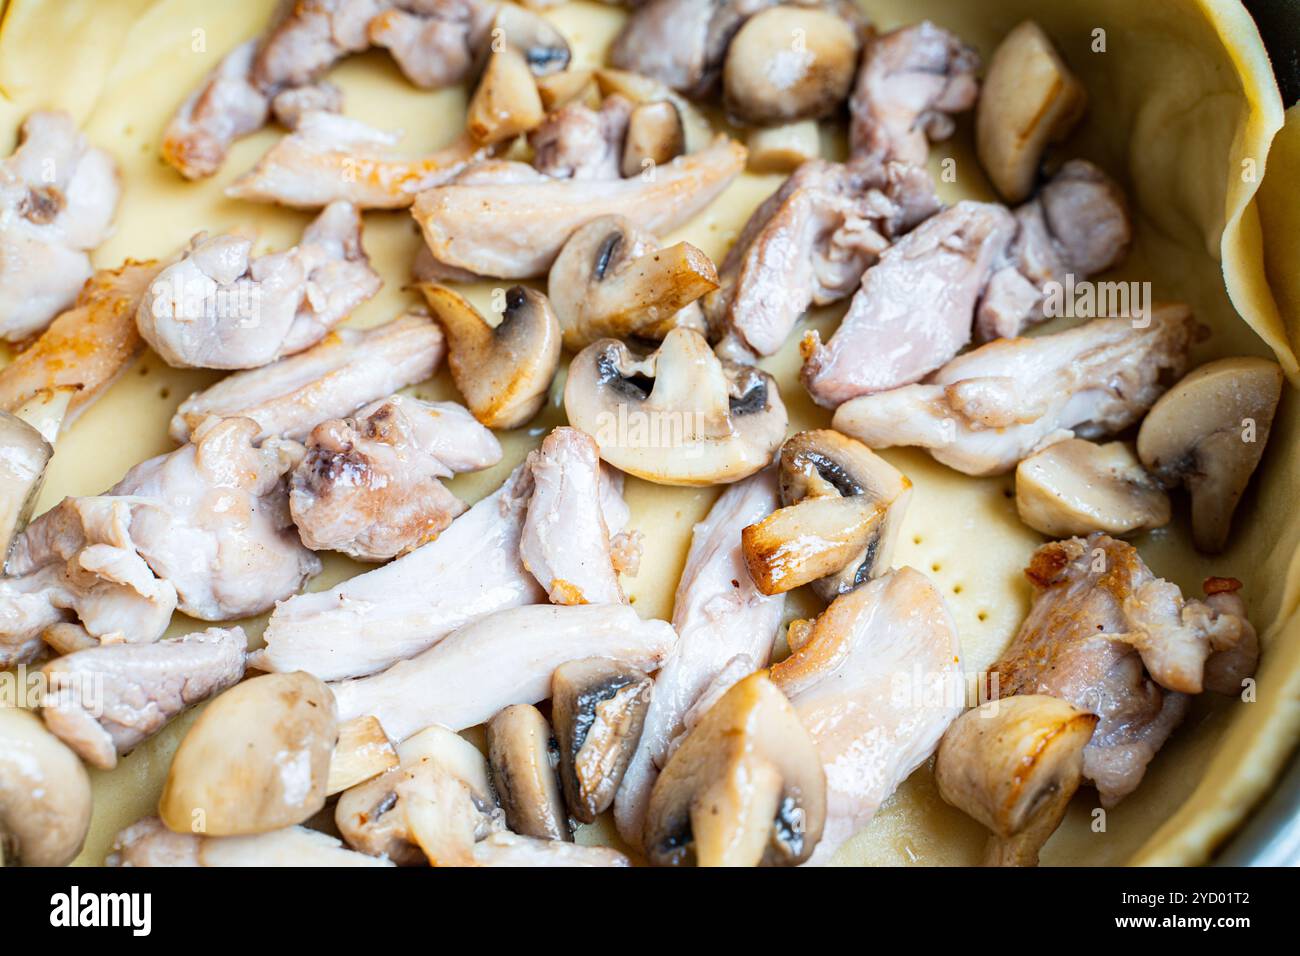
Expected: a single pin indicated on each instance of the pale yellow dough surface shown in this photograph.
(1182, 110)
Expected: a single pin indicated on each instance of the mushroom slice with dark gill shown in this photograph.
(503, 371)
(613, 280)
(1030, 99)
(1078, 487)
(745, 788)
(257, 759)
(505, 102)
(1013, 765)
(45, 797)
(599, 706)
(436, 765)
(844, 508)
(872, 726)
(678, 416)
(720, 617)
(524, 756)
(789, 63)
(1208, 433)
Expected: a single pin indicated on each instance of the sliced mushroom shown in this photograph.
(1076, 487)
(559, 89)
(1030, 100)
(535, 38)
(524, 756)
(363, 752)
(1208, 433)
(783, 149)
(655, 135)
(257, 759)
(745, 788)
(436, 764)
(678, 416)
(789, 63)
(506, 102)
(599, 707)
(45, 797)
(844, 508)
(612, 280)
(1013, 765)
(24, 453)
(503, 372)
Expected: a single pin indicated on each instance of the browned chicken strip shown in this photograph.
(85, 348)
(1108, 636)
(105, 701)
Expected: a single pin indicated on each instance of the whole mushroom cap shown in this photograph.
(1208, 433)
(257, 759)
(45, 797)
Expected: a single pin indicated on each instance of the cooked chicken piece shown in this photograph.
(289, 107)
(434, 42)
(333, 378)
(1077, 225)
(105, 701)
(718, 614)
(506, 220)
(85, 348)
(810, 242)
(229, 104)
(876, 682)
(220, 308)
(210, 519)
(306, 39)
(79, 562)
(331, 157)
(57, 198)
(913, 311)
(511, 849)
(501, 659)
(986, 410)
(1108, 636)
(369, 486)
(370, 621)
(565, 543)
(577, 142)
(910, 83)
(149, 843)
